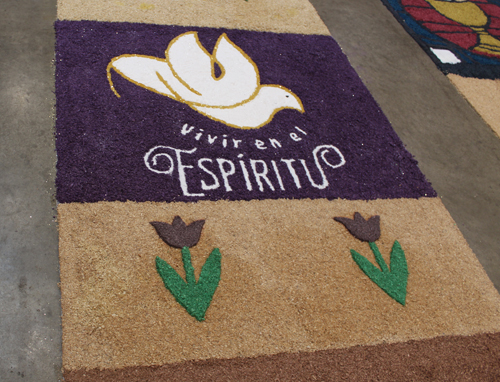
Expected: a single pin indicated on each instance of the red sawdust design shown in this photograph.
(490, 9)
(464, 40)
(494, 26)
(429, 15)
(415, 3)
(433, 21)
(433, 27)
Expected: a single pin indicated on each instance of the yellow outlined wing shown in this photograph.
(193, 66)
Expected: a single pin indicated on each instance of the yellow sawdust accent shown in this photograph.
(146, 7)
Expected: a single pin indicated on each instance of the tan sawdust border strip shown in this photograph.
(483, 95)
(289, 283)
(280, 16)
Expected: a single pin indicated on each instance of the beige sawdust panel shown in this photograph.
(288, 281)
(483, 95)
(288, 16)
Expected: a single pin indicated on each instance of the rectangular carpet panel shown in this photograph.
(455, 358)
(122, 139)
(288, 280)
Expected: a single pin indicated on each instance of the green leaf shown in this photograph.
(399, 268)
(370, 270)
(194, 296)
(210, 273)
(173, 282)
(394, 281)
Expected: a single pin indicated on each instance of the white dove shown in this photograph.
(187, 74)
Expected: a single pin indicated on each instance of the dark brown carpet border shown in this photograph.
(453, 358)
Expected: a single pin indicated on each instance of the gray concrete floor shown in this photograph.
(456, 150)
(30, 334)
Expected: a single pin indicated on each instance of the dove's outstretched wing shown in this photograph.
(187, 73)
(193, 67)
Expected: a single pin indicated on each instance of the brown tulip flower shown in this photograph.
(178, 234)
(365, 230)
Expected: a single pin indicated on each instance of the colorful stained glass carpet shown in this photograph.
(462, 37)
(234, 205)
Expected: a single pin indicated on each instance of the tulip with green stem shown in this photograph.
(194, 296)
(393, 280)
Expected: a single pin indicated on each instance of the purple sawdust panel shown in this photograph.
(148, 147)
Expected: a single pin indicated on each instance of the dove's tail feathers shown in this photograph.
(110, 80)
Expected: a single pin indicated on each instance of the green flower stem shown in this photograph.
(188, 266)
(380, 260)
